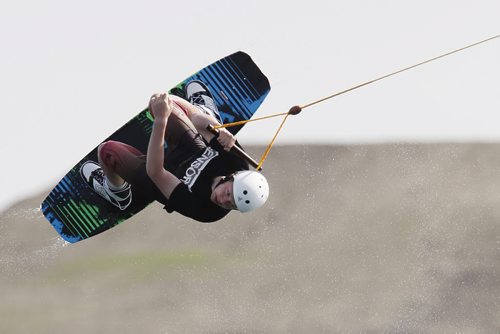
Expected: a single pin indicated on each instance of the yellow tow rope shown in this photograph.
(297, 109)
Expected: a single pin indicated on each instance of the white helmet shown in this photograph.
(250, 190)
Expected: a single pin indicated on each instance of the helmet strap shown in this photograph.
(225, 179)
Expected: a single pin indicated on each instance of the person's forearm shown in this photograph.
(154, 161)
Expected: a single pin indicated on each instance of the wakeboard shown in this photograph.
(77, 212)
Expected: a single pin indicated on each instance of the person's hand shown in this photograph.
(160, 106)
(226, 139)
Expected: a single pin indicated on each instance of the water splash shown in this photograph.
(15, 262)
(21, 213)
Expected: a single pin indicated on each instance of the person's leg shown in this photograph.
(181, 134)
(121, 174)
(178, 124)
(119, 162)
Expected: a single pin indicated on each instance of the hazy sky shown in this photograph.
(72, 72)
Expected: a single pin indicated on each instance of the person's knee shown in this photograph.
(101, 148)
(105, 151)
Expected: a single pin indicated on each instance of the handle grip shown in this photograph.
(237, 150)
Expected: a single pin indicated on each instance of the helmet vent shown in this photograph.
(245, 192)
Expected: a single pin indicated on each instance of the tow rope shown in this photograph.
(298, 108)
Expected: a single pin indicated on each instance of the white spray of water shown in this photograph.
(17, 259)
(13, 262)
(21, 213)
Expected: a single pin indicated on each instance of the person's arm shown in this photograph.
(201, 121)
(161, 108)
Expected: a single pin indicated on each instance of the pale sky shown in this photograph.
(72, 72)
